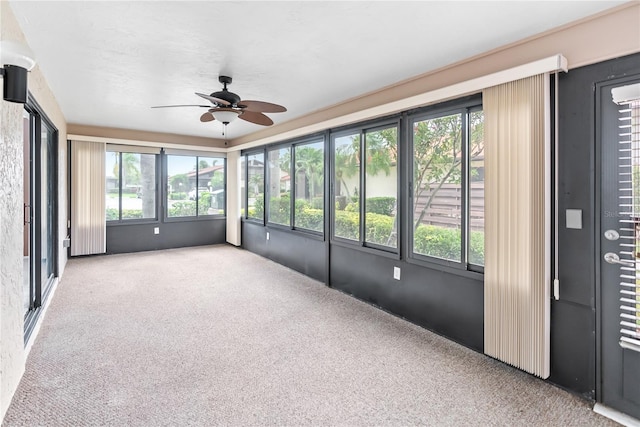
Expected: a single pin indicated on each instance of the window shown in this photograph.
(195, 186)
(476, 188)
(309, 186)
(365, 195)
(278, 168)
(381, 187)
(130, 186)
(346, 161)
(243, 186)
(447, 152)
(255, 186)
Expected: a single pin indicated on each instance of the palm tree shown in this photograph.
(310, 160)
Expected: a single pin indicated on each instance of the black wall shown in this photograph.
(123, 238)
(299, 251)
(451, 302)
(573, 317)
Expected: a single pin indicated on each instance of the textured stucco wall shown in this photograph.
(12, 350)
(12, 358)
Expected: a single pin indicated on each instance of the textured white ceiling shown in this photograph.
(109, 62)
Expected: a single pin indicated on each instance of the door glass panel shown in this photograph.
(46, 205)
(619, 302)
(26, 260)
(629, 201)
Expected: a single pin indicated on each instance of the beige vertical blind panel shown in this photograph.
(88, 218)
(517, 242)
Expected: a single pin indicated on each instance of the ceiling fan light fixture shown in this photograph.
(225, 115)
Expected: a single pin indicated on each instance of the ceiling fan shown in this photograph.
(227, 106)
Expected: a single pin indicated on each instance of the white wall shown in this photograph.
(233, 198)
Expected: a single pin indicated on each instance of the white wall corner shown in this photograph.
(234, 227)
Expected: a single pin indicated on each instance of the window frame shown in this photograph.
(464, 106)
(267, 186)
(165, 185)
(245, 196)
(301, 143)
(362, 129)
(120, 220)
(291, 145)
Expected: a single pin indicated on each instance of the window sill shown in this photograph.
(132, 222)
(367, 249)
(195, 218)
(441, 266)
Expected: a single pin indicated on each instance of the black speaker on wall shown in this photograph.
(15, 84)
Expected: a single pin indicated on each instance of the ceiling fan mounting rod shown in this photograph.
(225, 80)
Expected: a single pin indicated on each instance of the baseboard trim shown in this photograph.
(617, 416)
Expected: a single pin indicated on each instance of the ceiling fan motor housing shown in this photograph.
(230, 97)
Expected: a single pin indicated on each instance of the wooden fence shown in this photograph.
(446, 207)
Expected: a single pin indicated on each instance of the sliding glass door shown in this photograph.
(40, 209)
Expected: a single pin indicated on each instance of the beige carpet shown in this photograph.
(219, 336)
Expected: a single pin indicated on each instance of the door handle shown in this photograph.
(613, 258)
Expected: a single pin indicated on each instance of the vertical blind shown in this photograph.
(88, 222)
(517, 195)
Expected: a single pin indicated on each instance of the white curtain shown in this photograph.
(88, 219)
(517, 242)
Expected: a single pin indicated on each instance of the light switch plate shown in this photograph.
(156, 230)
(396, 273)
(574, 219)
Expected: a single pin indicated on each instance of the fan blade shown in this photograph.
(256, 117)
(261, 107)
(181, 105)
(206, 117)
(214, 99)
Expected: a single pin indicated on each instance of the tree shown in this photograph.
(347, 161)
(203, 164)
(217, 180)
(438, 154)
(310, 161)
(130, 171)
(179, 182)
(148, 184)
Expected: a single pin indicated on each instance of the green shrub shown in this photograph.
(317, 203)
(347, 224)
(178, 196)
(112, 214)
(379, 228)
(381, 205)
(353, 207)
(476, 248)
(310, 219)
(183, 208)
(280, 209)
(204, 199)
(437, 241)
(257, 210)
